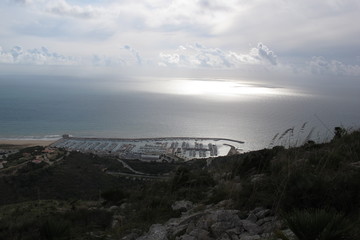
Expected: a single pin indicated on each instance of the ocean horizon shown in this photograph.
(45, 108)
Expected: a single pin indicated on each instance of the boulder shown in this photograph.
(235, 231)
(268, 227)
(251, 228)
(250, 237)
(113, 208)
(131, 236)
(224, 236)
(263, 213)
(156, 232)
(182, 205)
(252, 217)
(224, 220)
(200, 234)
(186, 237)
(178, 230)
(219, 228)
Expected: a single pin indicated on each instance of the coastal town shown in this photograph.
(13, 158)
(152, 149)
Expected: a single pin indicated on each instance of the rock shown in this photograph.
(223, 220)
(203, 223)
(188, 218)
(235, 231)
(252, 217)
(213, 223)
(257, 178)
(191, 226)
(265, 220)
(219, 228)
(269, 219)
(263, 213)
(224, 236)
(115, 223)
(250, 227)
(186, 237)
(182, 205)
(224, 203)
(178, 230)
(260, 222)
(288, 233)
(250, 237)
(268, 227)
(131, 236)
(226, 216)
(257, 209)
(113, 208)
(234, 237)
(200, 234)
(156, 232)
(124, 206)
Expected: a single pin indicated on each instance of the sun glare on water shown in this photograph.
(223, 89)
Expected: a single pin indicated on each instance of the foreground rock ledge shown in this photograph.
(213, 223)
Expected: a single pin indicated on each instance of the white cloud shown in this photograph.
(135, 53)
(63, 8)
(198, 55)
(320, 65)
(5, 57)
(94, 30)
(264, 53)
(36, 56)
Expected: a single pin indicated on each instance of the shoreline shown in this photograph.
(152, 139)
(26, 143)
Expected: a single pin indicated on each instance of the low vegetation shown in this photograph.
(315, 188)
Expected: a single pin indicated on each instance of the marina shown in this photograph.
(169, 149)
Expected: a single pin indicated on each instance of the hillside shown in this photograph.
(263, 194)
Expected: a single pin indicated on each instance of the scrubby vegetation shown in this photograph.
(314, 187)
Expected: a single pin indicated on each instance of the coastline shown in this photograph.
(27, 142)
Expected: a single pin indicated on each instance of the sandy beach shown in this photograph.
(26, 143)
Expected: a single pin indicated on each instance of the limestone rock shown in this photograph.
(156, 232)
(113, 208)
(252, 217)
(250, 227)
(263, 213)
(131, 236)
(178, 230)
(200, 234)
(182, 205)
(224, 236)
(250, 237)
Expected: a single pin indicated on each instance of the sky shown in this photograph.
(257, 38)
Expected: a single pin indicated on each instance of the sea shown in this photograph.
(261, 114)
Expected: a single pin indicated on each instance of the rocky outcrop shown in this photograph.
(214, 223)
(182, 206)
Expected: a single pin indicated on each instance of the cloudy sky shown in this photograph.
(282, 36)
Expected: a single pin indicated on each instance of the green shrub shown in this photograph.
(89, 218)
(114, 196)
(184, 178)
(319, 224)
(55, 228)
(307, 189)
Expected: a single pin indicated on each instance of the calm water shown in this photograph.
(45, 107)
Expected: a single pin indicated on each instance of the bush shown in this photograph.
(55, 228)
(114, 196)
(307, 189)
(319, 224)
